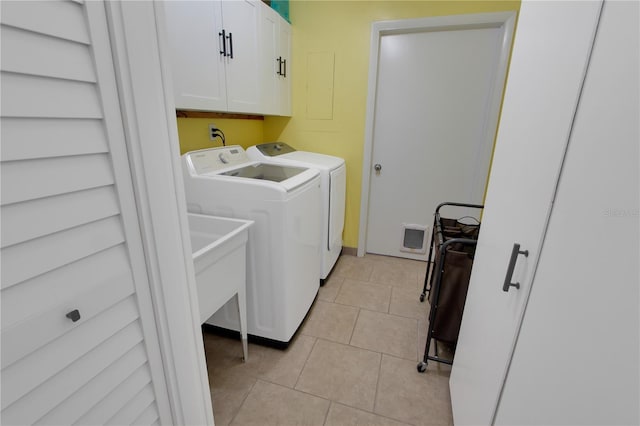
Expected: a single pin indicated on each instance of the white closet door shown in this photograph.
(577, 358)
(79, 341)
(545, 77)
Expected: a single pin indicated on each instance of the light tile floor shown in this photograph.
(352, 362)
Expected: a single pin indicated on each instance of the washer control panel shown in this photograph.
(273, 149)
(213, 159)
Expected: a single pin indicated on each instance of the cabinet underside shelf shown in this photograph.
(182, 113)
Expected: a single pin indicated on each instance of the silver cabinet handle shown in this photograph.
(512, 265)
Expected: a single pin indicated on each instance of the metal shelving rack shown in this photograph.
(453, 244)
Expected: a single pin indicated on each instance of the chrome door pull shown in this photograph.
(512, 265)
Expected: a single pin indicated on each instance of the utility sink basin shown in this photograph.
(218, 247)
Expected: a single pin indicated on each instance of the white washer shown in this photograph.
(333, 187)
(284, 243)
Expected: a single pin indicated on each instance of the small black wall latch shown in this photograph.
(73, 315)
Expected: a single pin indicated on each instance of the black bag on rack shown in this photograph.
(454, 282)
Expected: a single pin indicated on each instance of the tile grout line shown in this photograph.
(375, 397)
(369, 283)
(372, 310)
(306, 360)
(384, 416)
(387, 313)
(390, 299)
(241, 404)
(354, 327)
(326, 415)
(380, 352)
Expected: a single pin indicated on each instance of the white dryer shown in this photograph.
(333, 187)
(284, 243)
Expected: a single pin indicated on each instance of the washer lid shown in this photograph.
(265, 171)
(313, 159)
(273, 149)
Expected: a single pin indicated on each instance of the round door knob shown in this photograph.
(377, 167)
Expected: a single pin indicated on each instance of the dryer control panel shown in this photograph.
(213, 159)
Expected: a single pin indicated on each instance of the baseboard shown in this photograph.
(349, 251)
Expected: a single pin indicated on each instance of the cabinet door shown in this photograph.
(545, 77)
(241, 23)
(584, 298)
(195, 43)
(271, 65)
(284, 80)
(275, 64)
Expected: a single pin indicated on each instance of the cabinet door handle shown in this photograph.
(512, 265)
(284, 62)
(230, 37)
(73, 315)
(279, 59)
(221, 35)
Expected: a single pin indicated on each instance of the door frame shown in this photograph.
(143, 78)
(502, 20)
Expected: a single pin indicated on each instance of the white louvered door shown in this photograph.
(70, 234)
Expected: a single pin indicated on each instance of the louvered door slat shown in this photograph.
(133, 408)
(148, 416)
(28, 138)
(85, 398)
(118, 398)
(48, 215)
(32, 371)
(58, 19)
(29, 96)
(41, 55)
(32, 179)
(26, 300)
(54, 391)
(35, 257)
(52, 323)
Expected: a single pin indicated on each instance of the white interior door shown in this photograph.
(545, 78)
(431, 141)
(586, 292)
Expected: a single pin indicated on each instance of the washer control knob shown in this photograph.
(223, 158)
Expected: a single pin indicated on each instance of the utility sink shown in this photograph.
(218, 246)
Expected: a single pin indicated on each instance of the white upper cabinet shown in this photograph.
(276, 63)
(241, 20)
(214, 54)
(219, 52)
(197, 66)
(284, 79)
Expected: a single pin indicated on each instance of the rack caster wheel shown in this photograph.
(421, 367)
(422, 297)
